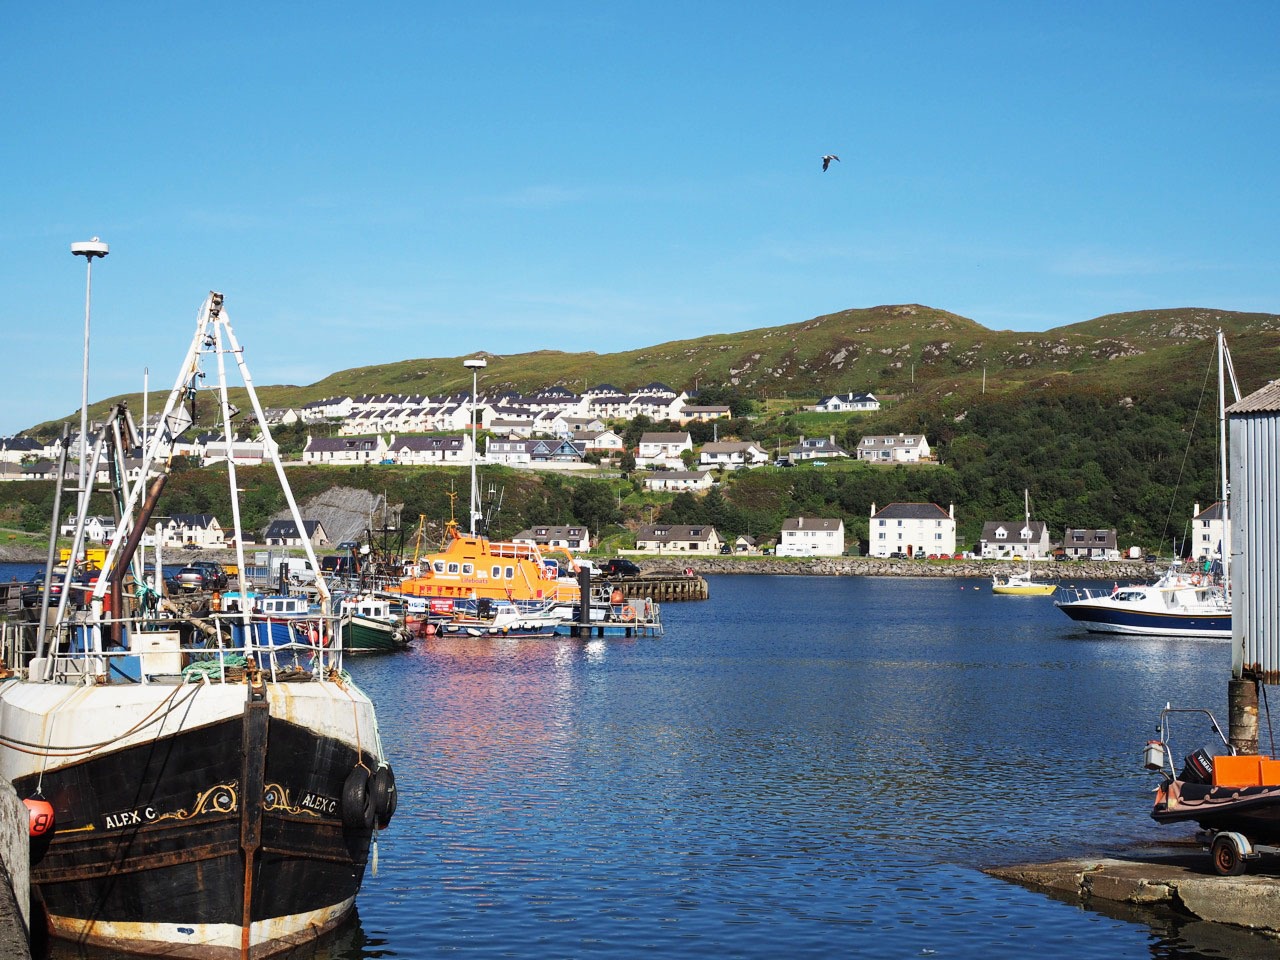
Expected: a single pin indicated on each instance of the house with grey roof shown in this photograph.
(732, 455)
(677, 538)
(902, 448)
(569, 537)
(344, 450)
(811, 537)
(284, 533)
(912, 530)
(815, 448)
(1083, 543)
(694, 481)
(1005, 539)
(661, 451)
(843, 403)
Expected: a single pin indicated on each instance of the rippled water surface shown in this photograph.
(801, 767)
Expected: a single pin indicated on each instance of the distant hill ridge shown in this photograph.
(886, 349)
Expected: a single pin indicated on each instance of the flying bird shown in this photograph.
(826, 161)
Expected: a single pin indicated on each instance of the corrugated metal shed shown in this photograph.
(1254, 425)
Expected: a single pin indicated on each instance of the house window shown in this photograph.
(880, 536)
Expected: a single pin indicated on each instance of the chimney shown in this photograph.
(952, 511)
(800, 523)
(873, 508)
(1195, 511)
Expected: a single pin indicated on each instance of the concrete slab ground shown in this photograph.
(1169, 885)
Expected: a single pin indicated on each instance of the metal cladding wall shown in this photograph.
(1255, 535)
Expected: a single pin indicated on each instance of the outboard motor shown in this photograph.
(1197, 768)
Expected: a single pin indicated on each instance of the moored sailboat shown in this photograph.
(1182, 602)
(1022, 584)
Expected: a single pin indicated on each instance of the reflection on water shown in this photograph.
(808, 766)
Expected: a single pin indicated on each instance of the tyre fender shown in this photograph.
(382, 788)
(357, 800)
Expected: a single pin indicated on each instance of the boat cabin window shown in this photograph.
(497, 572)
(1128, 596)
(468, 568)
(438, 566)
(453, 568)
(511, 573)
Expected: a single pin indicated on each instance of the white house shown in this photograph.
(661, 451)
(904, 448)
(202, 529)
(431, 450)
(703, 414)
(570, 537)
(912, 530)
(841, 403)
(284, 533)
(99, 528)
(678, 480)
(1003, 540)
(732, 454)
(1210, 532)
(344, 450)
(665, 538)
(811, 537)
(815, 448)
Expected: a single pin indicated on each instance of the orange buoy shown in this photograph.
(40, 812)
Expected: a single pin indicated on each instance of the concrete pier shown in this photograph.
(1179, 879)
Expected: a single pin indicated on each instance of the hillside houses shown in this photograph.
(902, 448)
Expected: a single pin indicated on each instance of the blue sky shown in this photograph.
(369, 183)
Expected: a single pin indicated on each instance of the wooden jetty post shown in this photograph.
(664, 587)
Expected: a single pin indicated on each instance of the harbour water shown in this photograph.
(802, 766)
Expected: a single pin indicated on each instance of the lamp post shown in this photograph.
(87, 249)
(475, 365)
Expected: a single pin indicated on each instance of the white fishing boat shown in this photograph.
(201, 791)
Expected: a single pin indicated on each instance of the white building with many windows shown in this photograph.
(811, 537)
(912, 530)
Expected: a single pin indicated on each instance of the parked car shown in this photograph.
(33, 589)
(620, 567)
(192, 578)
(190, 546)
(215, 574)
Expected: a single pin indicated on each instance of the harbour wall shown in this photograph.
(15, 884)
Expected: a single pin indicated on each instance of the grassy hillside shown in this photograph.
(925, 355)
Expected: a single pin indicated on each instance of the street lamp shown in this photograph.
(87, 249)
(475, 365)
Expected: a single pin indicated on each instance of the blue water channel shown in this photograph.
(801, 767)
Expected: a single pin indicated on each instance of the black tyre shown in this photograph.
(382, 788)
(1228, 858)
(357, 800)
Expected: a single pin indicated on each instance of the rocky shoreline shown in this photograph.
(1068, 571)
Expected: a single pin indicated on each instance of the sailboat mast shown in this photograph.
(1222, 454)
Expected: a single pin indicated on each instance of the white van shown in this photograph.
(296, 569)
